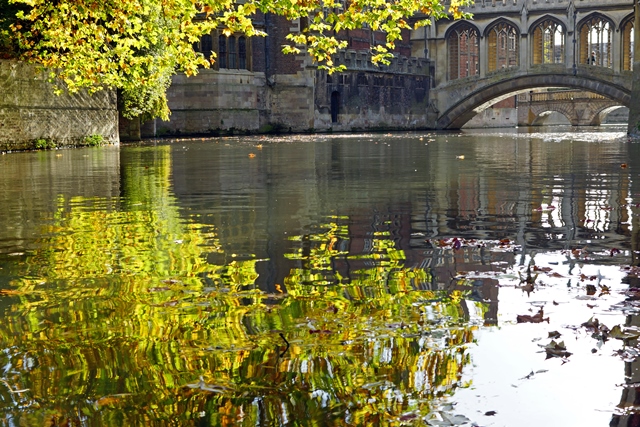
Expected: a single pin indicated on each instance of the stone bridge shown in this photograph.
(579, 107)
(515, 46)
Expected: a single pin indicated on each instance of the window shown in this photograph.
(463, 52)
(503, 47)
(232, 52)
(205, 46)
(548, 43)
(627, 46)
(595, 42)
(242, 53)
(222, 52)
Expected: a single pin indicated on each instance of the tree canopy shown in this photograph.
(136, 46)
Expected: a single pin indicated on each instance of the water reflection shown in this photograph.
(295, 281)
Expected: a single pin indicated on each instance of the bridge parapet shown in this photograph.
(360, 60)
(482, 7)
(565, 95)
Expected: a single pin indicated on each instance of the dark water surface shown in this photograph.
(348, 280)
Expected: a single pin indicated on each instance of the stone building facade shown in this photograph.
(255, 88)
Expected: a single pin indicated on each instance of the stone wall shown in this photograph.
(211, 103)
(367, 96)
(224, 101)
(29, 110)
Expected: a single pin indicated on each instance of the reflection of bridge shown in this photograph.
(580, 108)
(514, 46)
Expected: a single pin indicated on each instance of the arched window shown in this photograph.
(463, 43)
(627, 46)
(548, 42)
(204, 46)
(503, 47)
(595, 42)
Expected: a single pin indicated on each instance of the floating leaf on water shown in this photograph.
(556, 349)
(618, 333)
(490, 413)
(536, 318)
(554, 334)
(593, 324)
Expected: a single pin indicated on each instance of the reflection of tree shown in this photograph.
(116, 315)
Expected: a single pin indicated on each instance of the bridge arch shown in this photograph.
(469, 105)
(543, 116)
(602, 114)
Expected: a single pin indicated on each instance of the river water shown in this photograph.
(481, 278)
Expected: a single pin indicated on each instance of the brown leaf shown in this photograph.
(618, 333)
(556, 349)
(592, 323)
(536, 318)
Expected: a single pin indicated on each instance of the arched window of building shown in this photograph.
(595, 42)
(463, 46)
(548, 42)
(627, 45)
(204, 46)
(503, 47)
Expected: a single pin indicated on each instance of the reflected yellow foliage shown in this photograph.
(117, 317)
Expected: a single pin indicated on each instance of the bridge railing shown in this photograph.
(532, 5)
(568, 95)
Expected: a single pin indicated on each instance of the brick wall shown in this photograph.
(29, 110)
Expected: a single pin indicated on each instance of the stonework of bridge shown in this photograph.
(515, 46)
(579, 107)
